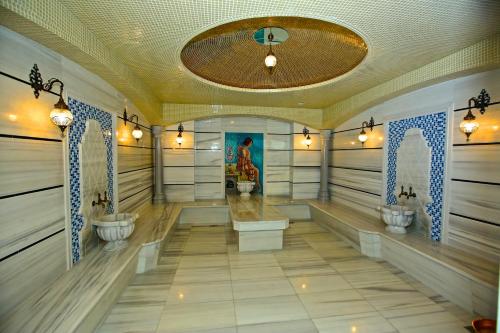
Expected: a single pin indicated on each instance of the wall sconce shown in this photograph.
(60, 115)
(308, 140)
(362, 137)
(469, 125)
(179, 136)
(136, 132)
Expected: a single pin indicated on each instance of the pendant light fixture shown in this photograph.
(270, 60)
(469, 125)
(363, 137)
(60, 115)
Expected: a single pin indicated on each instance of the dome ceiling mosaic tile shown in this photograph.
(315, 51)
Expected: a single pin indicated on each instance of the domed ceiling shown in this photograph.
(137, 46)
(315, 51)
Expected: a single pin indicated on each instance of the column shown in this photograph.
(324, 194)
(158, 195)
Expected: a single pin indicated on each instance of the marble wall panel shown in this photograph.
(478, 201)
(136, 202)
(27, 219)
(178, 157)
(133, 158)
(476, 236)
(45, 261)
(358, 179)
(169, 140)
(277, 174)
(209, 157)
(369, 159)
(22, 114)
(208, 125)
(277, 141)
(489, 126)
(209, 191)
(299, 142)
(306, 158)
(208, 174)
(179, 193)
(209, 141)
(178, 175)
(305, 175)
(349, 139)
(124, 135)
(278, 189)
(277, 157)
(133, 182)
(278, 127)
(365, 202)
(477, 162)
(29, 164)
(244, 124)
(305, 191)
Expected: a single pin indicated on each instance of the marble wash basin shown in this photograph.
(245, 187)
(115, 229)
(397, 218)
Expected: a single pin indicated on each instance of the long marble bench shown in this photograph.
(79, 299)
(259, 226)
(465, 279)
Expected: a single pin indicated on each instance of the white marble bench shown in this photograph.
(465, 279)
(259, 226)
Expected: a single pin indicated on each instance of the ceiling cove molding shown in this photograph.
(174, 113)
(484, 55)
(52, 25)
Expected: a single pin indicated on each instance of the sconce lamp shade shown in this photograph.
(60, 115)
(137, 132)
(469, 125)
(179, 139)
(362, 137)
(308, 141)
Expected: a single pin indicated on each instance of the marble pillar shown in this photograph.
(324, 194)
(159, 195)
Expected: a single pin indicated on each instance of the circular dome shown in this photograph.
(315, 51)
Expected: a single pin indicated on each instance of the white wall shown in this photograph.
(33, 230)
(196, 169)
(473, 210)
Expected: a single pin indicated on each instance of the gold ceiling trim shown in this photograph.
(316, 51)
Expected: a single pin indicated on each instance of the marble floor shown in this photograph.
(317, 283)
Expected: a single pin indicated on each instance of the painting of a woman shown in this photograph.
(245, 165)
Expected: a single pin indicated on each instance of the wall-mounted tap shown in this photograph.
(100, 201)
(411, 194)
(403, 192)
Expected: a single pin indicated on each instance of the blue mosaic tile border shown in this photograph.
(433, 127)
(82, 112)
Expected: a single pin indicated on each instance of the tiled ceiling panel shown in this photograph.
(149, 35)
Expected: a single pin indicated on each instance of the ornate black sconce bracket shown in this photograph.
(369, 124)
(36, 83)
(481, 102)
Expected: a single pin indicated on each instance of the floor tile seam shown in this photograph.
(366, 300)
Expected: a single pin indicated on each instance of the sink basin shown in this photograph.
(397, 218)
(115, 229)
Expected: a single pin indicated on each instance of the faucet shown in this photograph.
(403, 193)
(411, 194)
(100, 201)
